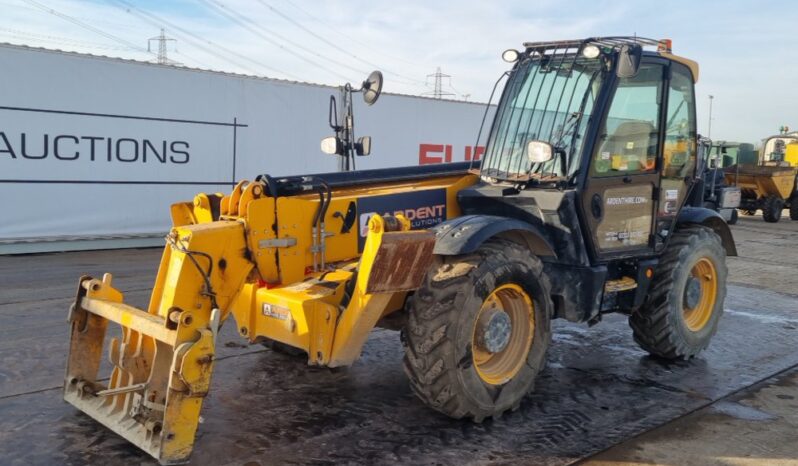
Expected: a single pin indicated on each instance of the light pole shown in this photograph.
(709, 126)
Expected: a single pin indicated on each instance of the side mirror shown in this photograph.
(539, 151)
(628, 61)
(332, 145)
(363, 146)
(372, 88)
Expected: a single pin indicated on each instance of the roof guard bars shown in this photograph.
(615, 42)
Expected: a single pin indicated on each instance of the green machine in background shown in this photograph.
(719, 194)
(724, 154)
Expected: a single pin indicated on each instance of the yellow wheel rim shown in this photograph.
(706, 277)
(503, 333)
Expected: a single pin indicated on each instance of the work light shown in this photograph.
(591, 51)
(510, 55)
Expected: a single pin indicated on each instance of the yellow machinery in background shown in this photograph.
(769, 185)
(791, 153)
(781, 148)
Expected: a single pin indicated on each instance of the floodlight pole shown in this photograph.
(709, 126)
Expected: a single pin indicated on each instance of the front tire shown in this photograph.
(478, 330)
(771, 209)
(794, 207)
(685, 302)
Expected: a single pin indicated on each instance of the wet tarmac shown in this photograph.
(266, 408)
(757, 426)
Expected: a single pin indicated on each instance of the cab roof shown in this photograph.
(614, 44)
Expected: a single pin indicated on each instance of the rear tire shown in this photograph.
(794, 207)
(771, 209)
(445, 339)
(667, 325)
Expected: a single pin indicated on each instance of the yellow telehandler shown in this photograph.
(588, 201)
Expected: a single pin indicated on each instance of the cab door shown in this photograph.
(680, 148)
(619, 199)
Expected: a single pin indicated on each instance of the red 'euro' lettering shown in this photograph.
(425, 149)
(440, 153)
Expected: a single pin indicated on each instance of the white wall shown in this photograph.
(59, 191)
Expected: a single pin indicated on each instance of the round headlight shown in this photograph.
(591, 51)
(510, 56)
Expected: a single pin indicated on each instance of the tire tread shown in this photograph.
(432, 310)
(654, 326)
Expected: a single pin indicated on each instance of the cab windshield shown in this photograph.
(724, 156)
(548, 98)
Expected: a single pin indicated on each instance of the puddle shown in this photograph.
(741, 411)
(764, 318)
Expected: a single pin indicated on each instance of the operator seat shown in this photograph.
(636, 141)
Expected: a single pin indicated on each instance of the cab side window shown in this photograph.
(680, 134)
(630, 138)
(679, 154)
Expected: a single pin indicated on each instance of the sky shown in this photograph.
(745, 48)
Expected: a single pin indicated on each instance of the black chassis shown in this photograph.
(551, 220)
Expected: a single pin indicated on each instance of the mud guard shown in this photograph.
(466, 234)
(708, 218)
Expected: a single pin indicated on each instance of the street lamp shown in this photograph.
(709, 126)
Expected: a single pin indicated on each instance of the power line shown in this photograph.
(465, 96)
(350, 38)
(76, 43)
(84, 25)
(332, 44)
(88, 19)
(198, 41)
(58, 39)
(261, 32)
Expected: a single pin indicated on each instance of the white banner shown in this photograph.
(99, 147)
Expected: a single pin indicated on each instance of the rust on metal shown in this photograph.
(401, 262)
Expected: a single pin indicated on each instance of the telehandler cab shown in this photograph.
(588, 201)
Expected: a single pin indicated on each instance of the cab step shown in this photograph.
(621, 284)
